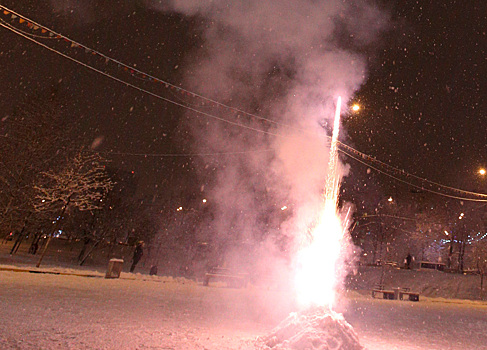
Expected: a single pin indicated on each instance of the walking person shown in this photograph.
(138, 252)
(409, 259)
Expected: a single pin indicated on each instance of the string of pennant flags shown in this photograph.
(28, 28)
(41, 32)
(104, 71)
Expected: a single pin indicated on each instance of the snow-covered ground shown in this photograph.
(73, 307)
(64, 311)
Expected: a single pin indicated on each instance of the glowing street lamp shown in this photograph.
(482, 171)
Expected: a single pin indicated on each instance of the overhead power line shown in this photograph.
(343, 148)
(51, 34)
(139, 88)
(188, 155)
(483, 199)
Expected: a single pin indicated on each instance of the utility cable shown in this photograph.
(138, 88)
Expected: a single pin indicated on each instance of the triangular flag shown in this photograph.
(5, 12)
(35, 27)
(14, 16)
(43, 30)
(21, 20)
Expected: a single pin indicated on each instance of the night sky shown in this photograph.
(423, 98)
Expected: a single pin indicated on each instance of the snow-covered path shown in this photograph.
(40, 311)
(428, 324)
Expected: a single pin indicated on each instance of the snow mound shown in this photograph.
(315, 328)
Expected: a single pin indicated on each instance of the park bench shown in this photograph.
(386, 294)
(395, 293)
(432, 265)
(412, 296)
(231, 278)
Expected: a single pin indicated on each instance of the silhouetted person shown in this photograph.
(34, 246)
(409, 259)
(137, 255)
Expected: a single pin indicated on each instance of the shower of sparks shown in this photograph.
(316, 278)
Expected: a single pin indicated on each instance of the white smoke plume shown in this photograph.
(287, 60)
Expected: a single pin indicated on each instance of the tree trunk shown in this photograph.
(482, 285)
(53, 232)
(83, 250)
(450, 253)
(35, 244)
(461, 256)
(88, 254)
(461, 252)
(18, 240)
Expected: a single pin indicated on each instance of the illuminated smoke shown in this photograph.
(316, 276)
(286, 60)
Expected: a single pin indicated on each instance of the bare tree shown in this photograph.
(33, 139)
(83, 183)
(430, 236)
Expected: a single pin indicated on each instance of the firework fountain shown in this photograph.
(317, 326)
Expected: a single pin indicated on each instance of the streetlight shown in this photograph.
(482, 171)
(355, 107)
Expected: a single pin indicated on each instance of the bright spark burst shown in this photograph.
(316, 276)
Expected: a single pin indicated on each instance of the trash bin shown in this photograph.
(396, 293)
(114, 268)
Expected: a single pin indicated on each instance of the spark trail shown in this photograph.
(316, 278)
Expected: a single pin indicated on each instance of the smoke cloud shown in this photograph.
(289, 61)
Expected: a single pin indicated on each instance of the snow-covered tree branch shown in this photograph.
(83, 183)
